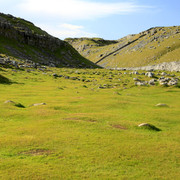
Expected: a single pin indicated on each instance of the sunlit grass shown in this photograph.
(87, 132)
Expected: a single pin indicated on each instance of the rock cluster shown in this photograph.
(168, 81)
(166, 66)
(21, 64)
(165, 81)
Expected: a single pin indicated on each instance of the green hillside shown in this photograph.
(153, 46)
(21, 39)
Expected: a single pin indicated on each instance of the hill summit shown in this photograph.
(150, 47)
(23, 40)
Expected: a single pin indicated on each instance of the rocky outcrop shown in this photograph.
(22, 39)
(24, 34)
(153, 46)
(166, 66)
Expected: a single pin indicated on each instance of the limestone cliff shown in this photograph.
(22, 39)
(150, 47)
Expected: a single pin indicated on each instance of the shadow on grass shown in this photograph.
(150, 127)
(178, 85)
(19, 105)
(4, 80)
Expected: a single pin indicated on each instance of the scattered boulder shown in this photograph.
(135, 72)
(152, 82)
(149, 127)
(163, 74)
(38, 104)
(149, 74)
(172, 82)
(168, 81)
(14, 104)
(161, 105)
(139, 83)
(9, 102)
(136, 79)
(55, 75)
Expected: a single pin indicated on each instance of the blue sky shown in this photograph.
(95, 18)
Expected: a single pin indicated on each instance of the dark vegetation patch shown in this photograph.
(19, 105)
(178, 85)
(4, 80)
(149, 127)
(118, 126)
(36, 152)
(86, 119)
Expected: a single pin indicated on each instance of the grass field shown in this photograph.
(88, 128)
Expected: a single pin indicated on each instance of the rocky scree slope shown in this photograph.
(23, 40)
(150, 47)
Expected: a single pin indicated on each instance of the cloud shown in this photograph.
(78, 9)
(58, 17)
(63, 31)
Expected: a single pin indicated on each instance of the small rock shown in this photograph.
(135, 72)
(143, 124)
(149, 127)
(38, 104)
(55, 75)
(136, 79)
(163, 74)
(161, 105)
(9, 101)
(152, 82)
(140, 83)
(149, 74)
(172, 82)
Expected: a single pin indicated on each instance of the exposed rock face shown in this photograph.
(26, 36)
(21, 39)
(153, 46)
(166, 66)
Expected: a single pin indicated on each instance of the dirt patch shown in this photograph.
(118, 126)
(72, 119)
(36, 152)
(80, 119)
(90, 120)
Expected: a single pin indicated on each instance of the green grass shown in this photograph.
(87, 132)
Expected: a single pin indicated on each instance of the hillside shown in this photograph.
(153, 46)
(21, 39)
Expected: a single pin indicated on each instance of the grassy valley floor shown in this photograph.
(88, 128)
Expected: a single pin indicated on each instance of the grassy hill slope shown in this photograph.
(23, 40)
(154, 46)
